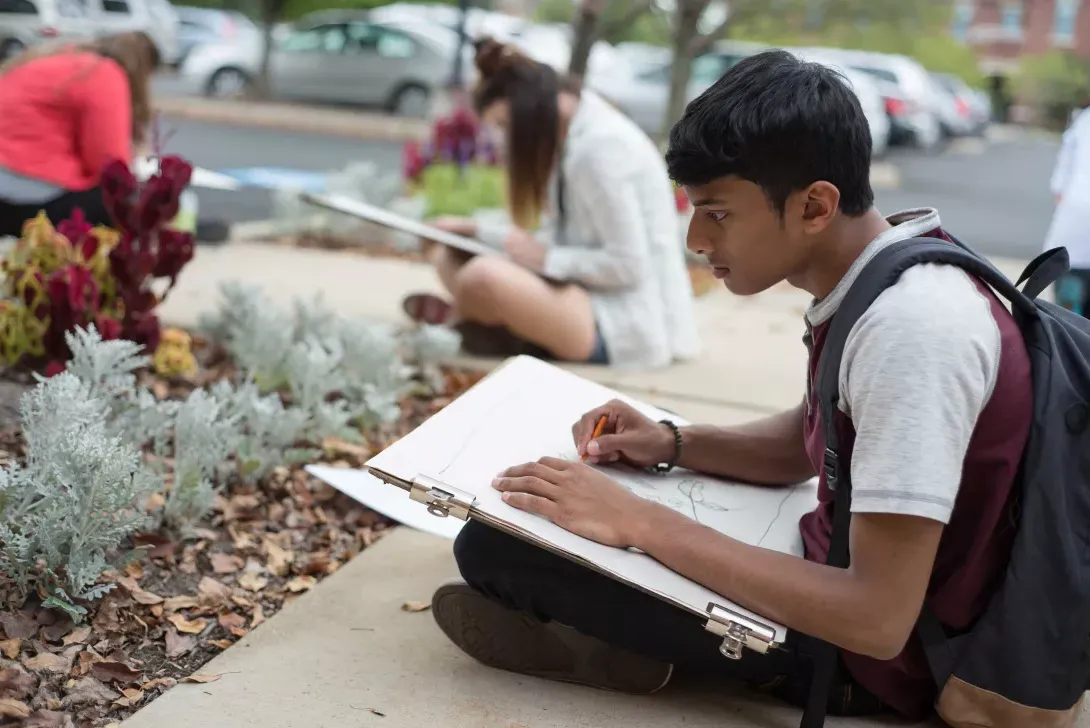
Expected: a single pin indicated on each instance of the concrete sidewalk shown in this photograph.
(294, 117)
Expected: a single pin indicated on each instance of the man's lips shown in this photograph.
(720, 271)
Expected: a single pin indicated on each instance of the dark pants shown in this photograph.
(13, 215)
(550, 587)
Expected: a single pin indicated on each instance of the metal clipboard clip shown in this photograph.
(738, 632)
(441, 499)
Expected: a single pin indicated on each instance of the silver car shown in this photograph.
(335, 57)
(24, 23)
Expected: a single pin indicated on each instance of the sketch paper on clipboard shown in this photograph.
(523, 411)
(386, 218)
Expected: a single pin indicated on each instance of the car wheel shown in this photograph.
(11, 48)
(228, 83)
(412, 101)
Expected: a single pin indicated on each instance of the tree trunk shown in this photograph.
(270, 13)
(686, 31)
(584, 33)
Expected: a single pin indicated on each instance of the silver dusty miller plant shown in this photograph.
(80, 494)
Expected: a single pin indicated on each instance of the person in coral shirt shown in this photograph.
(68, 111)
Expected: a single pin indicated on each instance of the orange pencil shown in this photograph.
(601, 425)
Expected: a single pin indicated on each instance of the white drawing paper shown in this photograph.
(381, 216)
(524, 411)
(366, 489)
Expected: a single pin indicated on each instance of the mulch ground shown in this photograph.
(186, 601)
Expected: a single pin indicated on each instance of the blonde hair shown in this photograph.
(135, 52)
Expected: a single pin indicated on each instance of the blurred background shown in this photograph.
(965, 98)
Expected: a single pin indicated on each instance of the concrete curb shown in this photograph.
(296, 118)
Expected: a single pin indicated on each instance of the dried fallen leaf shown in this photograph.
(252, 582)
(111, 671)
(18, 625)
(10, 648)
(212, 593)
(177, 644)
(195, 626)
(173, 604)
(301, 584)
(225, 563)
(86, 659)
(47, 662)
(138, 594)
(222, 644)
(279, 560)
(129, 697)
(336, 446)
(159, 547)
(415, 606)
(11, 708)
(134, 569)
(77, 636)
(157, 610)
(201, 678)
(259, 616)
(159, 682)
(232, 620)
(52, 719)
(88, 691)
(15, 682)
(240, 601)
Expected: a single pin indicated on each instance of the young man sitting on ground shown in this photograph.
(935, 407)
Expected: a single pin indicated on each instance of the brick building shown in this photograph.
(1002, 31)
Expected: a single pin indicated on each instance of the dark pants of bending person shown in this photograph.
(525, 577)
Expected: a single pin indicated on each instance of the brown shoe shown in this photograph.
(510, 640)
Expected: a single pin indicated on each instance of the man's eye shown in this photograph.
(717, 216)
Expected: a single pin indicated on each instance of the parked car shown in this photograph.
(337, 56)
(200, 26)
(157, 18)
(643, 94)
(24, 23)
(912, 101)
(962, 112)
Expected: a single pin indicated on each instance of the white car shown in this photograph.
(912, 100)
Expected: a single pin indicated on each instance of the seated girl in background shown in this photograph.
(603, 278)
(67, 111)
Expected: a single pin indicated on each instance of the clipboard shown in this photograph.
(447, 492)
(386, 218)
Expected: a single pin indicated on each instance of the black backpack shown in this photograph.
(1026, 660)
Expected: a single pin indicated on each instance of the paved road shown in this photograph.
(994, 198)
(229, 147)
(992, 194)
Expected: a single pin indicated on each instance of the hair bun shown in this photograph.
(493, 56)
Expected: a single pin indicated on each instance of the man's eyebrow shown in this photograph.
(705, 201)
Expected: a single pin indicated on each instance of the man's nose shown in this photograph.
(695, 241)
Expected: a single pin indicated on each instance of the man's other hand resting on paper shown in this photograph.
(935, 402)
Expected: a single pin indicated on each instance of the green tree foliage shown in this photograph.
(1053, 84)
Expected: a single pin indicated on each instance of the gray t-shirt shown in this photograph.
(914, 415)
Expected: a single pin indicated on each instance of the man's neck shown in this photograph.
(846, 242)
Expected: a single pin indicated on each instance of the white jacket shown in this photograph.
(621, 239)
(1070, 226)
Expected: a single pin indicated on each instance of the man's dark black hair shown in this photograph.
(780, 123)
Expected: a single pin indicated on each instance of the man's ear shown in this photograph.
(820, 203)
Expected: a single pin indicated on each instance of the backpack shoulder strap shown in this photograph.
(882, 271)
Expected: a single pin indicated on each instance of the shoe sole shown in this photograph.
(505, 639)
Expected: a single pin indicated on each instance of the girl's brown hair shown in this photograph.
(135, 52)
(533, 130)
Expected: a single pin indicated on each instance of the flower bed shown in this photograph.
(147, 522)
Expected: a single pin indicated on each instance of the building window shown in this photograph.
(963, 18)
(1012, 18)
(1063, 23)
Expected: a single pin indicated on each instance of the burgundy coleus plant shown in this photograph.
(147, 249)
